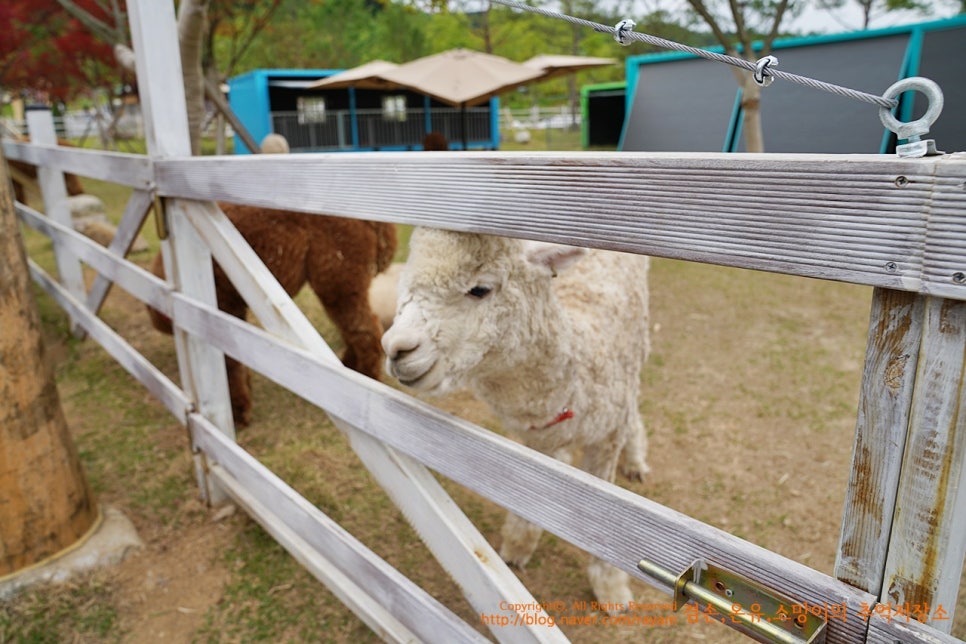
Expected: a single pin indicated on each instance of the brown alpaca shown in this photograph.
(434, 141)
(337, 257)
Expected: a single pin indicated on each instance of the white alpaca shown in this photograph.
(558, 359)
(383, 293)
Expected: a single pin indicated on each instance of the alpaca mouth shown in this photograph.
(417, 381)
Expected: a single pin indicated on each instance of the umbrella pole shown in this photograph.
(463, 125)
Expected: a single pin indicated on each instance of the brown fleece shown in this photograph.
(337, 257)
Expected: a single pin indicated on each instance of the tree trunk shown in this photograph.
(45, 504)
(192, 24)
(751, 123)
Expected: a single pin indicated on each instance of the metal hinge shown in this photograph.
(761, 613)
(160, 218)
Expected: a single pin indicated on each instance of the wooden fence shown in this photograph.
(895, 224)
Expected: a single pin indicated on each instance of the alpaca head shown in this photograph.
(469, 306)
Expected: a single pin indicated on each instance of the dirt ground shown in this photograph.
(749, 399)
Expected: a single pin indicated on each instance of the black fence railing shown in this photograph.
(374, 129)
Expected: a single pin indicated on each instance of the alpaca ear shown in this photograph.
(554, 257)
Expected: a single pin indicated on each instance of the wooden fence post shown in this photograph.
(40, 124)
(888, 380)
(928, 532)
(904, 526)
(187, 259)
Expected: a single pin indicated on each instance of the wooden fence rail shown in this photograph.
(895, 224)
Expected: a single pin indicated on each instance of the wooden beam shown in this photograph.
(867, 219)
(213, 94)
(131, 277)
(888, 627)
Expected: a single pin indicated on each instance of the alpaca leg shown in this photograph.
(240, 390)
(239, 378)
(632, 463)
(520, 538)
(361, 332)
(611, 586)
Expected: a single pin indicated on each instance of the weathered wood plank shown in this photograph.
(154, 37)
(127, 356)
(135, 170)
(869, 219)
(898, 629)
(885, 399)
(927, 543)
(615, 524)
(383, 587)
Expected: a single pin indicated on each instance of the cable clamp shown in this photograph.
(621, 29)
(762, 77)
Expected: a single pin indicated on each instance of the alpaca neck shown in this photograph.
(534, 383)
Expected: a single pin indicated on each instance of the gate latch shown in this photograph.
(761, 613)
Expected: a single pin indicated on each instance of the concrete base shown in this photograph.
(107, 545)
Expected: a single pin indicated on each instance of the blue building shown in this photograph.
(683, 103)
(350, 119)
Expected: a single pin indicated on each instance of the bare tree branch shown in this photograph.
(114, 35)
(214, 95)
(775, 25)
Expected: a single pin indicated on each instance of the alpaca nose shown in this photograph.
(398, 343)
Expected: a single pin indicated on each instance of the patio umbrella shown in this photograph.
(364, 77)
(554, 65)
(461, 78)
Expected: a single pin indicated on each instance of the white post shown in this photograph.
(187, 259)
(40, 124)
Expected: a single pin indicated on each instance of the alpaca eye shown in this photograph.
(479, 292)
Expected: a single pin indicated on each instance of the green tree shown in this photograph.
(332, 34)
(45, 50)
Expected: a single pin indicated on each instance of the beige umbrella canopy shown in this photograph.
(553, 65)
(364, 77)
(461, 77)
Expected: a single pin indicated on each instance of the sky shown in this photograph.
(849, 18)
(823, 21)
